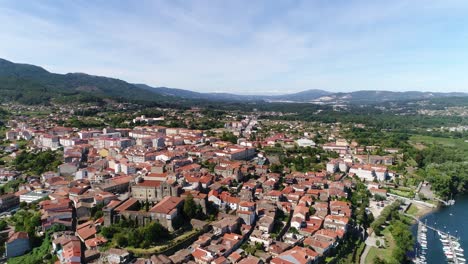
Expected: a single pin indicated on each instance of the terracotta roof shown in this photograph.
(149, 183)
(127, 204)
(86, 230)
(168, 204)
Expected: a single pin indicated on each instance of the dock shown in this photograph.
(450, 238)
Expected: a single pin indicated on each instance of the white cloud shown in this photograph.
(238, 46)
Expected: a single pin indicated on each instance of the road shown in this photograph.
(364, 254)
(371, 241)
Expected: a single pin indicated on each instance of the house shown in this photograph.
(321, 246)
(246, 212)
(336, 222)
(333, 166)
(340, 208)
(274, 195)
(71, 252)
(17, 244)
(86, 231)
(266, 223)
(378, 192)
(312, 225)
(296, 255)
(250, 260)
(202, 256)
(300, 215)
(116, 256)
(56, 211)
(227, 224)
(258, 236)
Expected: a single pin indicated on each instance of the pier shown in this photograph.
(451, 241)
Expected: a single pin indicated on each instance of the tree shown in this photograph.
(121, 240)
(3, 225)
(190, 207)
(311, 210)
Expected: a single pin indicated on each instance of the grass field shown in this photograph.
(402, 193)
(456, 143)
(412, 210)
(383, 253)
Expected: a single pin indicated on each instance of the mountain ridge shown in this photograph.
(29, 83)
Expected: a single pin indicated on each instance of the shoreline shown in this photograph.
(424, 210)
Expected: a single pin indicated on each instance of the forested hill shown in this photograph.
(31, 84)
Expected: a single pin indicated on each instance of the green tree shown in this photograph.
(3, 225)
(190, 207)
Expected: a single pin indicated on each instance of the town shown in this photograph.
(251, 191)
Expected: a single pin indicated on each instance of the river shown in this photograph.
(451, 219)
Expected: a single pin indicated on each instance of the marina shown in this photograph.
(441, 235)
(452, 249)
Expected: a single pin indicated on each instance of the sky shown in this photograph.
(247, 47)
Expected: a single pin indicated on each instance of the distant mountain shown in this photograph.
(31, 84)
(303, 96)
(316, 96)
(383, 96)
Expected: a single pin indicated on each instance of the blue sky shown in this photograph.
(249, 47)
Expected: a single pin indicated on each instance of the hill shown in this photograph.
(30, 84)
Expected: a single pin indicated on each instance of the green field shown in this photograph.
(384, 253)
(454, 143)
(412, 210)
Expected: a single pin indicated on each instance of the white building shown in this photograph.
(304, 142)
(33, 196)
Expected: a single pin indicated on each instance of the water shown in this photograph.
(452, 219)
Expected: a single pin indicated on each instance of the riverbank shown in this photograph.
(419, 211)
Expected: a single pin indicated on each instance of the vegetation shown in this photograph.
(386, 214)
(228, 136)
(443, 163)
(192, 209)
(398, 241)
(40, 254)
(37, 163)
(359, 202)
(126, 233)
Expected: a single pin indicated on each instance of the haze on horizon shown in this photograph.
(247, 47)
